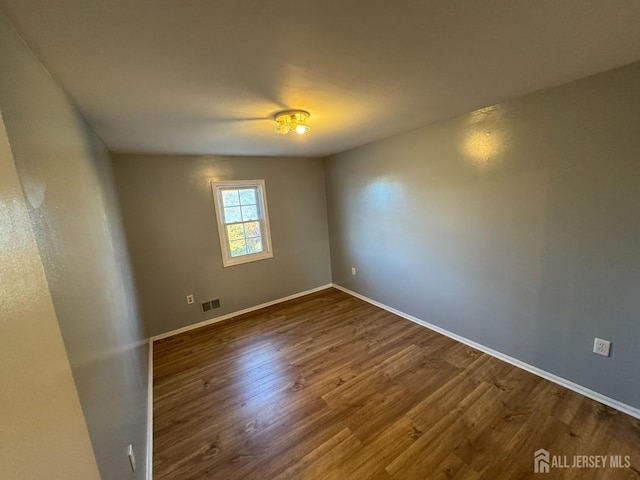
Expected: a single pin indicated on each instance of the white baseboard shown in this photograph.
(235, 314)
(150, 415)
(598, 397)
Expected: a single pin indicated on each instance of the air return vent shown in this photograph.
(210, 305)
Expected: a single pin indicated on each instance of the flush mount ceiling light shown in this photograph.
(292, 121)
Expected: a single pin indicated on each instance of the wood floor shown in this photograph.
(329, 387)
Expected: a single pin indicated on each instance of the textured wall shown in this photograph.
(171, 228)
(516, 226)
(65, 172)
(38, 399)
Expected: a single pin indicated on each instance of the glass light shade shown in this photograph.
(292, 121)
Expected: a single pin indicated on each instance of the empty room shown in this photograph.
(329, 240)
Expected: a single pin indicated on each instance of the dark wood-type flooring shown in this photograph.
(329, 387)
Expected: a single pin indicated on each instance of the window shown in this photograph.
(243, 221)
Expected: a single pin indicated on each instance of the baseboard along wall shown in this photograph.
(598, 397)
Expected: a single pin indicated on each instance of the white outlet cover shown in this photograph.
(601, 347)
(353, 270)
(132, 457)
(190, 299)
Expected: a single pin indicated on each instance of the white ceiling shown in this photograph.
(206, 76)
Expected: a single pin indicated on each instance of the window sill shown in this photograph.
(246, 259)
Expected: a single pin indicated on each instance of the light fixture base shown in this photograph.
(292, 121)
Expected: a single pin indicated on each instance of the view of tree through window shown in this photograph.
(240, 217)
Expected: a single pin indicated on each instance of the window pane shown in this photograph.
(235, 232)
(250, 213)
(254, 245)
(252, 229)
(248, 196)
(238, 248)
(230, 198)
(232, 214)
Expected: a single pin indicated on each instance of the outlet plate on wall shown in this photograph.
(601, 347)
(132, 457)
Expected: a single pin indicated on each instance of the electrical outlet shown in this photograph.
(601, 347)
(132, 457)
(190, 299)
(353, 271)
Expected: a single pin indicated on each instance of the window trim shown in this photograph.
(259, 185)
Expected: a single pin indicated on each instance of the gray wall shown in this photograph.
(38, 399)
(171, 229)
(517, 226)
(65, 172)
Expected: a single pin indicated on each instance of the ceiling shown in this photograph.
(206, 76)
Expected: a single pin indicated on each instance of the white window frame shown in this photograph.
(263, 213)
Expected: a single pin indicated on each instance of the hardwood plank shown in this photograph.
(329, 387)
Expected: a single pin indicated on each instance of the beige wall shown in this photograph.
(42, 429)
(517, 226)
(65, 174)
(171, 229)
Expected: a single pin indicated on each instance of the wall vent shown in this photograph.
(210, 305)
